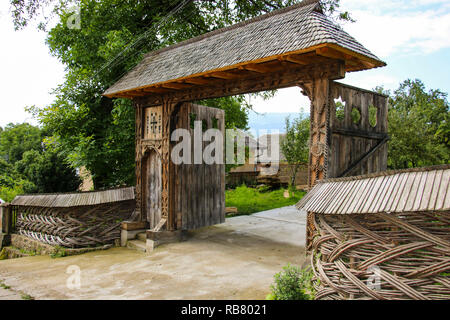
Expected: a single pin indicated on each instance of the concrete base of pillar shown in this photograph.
(126, 235)
(157, 238)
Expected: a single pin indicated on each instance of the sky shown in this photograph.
(411, 36)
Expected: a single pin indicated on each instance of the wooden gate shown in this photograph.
(199, 189)
(178, 196)
(358, 131)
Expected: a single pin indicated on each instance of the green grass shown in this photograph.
(251, 200)
(4, 286)
(25, 296)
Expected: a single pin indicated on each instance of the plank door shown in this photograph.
(199, 197)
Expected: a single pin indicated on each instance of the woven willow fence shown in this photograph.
(382, 256)
(73, 227)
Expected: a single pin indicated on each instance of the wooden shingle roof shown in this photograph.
(413, 190)
(299, 29)
(64, 200)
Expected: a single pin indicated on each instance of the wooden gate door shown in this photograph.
(153, 188)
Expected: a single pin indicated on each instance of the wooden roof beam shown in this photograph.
(156, 90)
(136, 93)
(296, 60)
(330, 53)
(348, 58)
(198, 81)
(256, 68)
(223, 75)
(176, 86)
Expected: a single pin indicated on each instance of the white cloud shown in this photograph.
(371, 79)
(385, 27)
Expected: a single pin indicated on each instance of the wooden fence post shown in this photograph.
(5, 224)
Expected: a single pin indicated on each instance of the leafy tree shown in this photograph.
(48, 172)
(11, 182)
(27, 167)
(419, 126)
(295, 145)
(235, 115)
(15, 139)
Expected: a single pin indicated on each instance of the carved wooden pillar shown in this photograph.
(318, 91)
(320, 120)
(167, 108)
(138, 158)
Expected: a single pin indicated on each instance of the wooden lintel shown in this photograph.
(288, 77)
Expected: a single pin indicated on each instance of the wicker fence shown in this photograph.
(382, 256)
(86, 219)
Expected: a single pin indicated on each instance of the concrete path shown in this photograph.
(9, 294)
(234, 260)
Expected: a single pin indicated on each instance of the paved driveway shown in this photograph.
(234, 260)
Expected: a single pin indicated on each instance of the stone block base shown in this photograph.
(157, 238)
(126, 235)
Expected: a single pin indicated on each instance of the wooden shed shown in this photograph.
(382, 236)
(294, 46)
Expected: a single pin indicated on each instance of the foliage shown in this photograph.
(419, 126)
(251, 200)
(235, 115)
(15, 139)
(295, 146)
(31, 166)
(59, 252)
(11, 182)
(25, 296)
(292, 283)
(48, 171)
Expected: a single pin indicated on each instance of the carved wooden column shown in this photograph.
(167, 108)
(320, 119)
(318, 91)
(138, 158)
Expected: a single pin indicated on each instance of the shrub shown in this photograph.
(292, 283)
